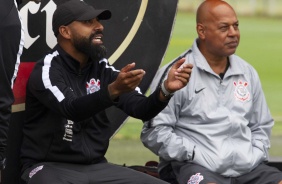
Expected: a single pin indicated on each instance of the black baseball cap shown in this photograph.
(73, 10)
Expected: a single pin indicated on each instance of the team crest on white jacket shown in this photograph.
(195, 179)
(92, 86)
(241, 92)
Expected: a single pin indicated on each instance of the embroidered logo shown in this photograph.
(92, 86)
(68, 131)
(35, 170)
(198, 91)
(241, 92)
(195, 179)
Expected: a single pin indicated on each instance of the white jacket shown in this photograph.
(225, 122)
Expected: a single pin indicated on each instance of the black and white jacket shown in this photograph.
(65, 110)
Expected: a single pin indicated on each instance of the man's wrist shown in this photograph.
(164, 91)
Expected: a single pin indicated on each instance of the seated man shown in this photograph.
(66, 132)
(216, 129)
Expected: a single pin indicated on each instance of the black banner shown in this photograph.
(139, 31)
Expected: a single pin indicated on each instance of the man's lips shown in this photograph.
(232, 44)
(97, 39)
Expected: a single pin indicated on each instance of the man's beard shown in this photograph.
(98, 52)
(85, 45)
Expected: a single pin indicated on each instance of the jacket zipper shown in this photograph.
(85, 147)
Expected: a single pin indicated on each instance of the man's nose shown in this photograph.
(98, 26)
(232, 31)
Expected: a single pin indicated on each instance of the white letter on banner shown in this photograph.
(33, 8)
(51, 40)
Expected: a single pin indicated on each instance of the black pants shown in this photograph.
(11, 45)
(106, 173)
(262, 174)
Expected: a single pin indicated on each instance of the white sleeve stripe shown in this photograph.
(107, 64)
(21, 45)
(46, 77)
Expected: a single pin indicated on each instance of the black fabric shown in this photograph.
(168, 175)
(83, 174)
(19, 1)
(261, 174)
(190, 172)
(10, 35)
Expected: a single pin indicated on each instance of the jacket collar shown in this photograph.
(70, 63)
(235, 68)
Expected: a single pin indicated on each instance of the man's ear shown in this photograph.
(65, 32)
(201, 30)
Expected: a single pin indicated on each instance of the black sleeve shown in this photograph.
(10, 35)
(19, 1)
(139, 106)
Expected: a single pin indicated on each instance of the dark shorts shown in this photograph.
(193, 173)
(60, 173)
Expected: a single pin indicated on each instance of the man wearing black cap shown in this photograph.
(66, 130)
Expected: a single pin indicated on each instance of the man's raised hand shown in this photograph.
(126, 81)
(178, 76)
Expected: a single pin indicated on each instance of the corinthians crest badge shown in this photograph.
(241, 92)
(195, 179)
(92, 86)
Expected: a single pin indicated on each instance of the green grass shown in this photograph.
(126, 147)
(261, 45)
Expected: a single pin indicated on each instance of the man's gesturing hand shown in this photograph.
(126, 81)
(178, 76)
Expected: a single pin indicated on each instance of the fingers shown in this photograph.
(184, 78)
(179, 75)
(135, 73)
(127, 80)
(133, 78)
(183, 74)
(183, 70)
(128, 67)
(178, 63)
(129, 75)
